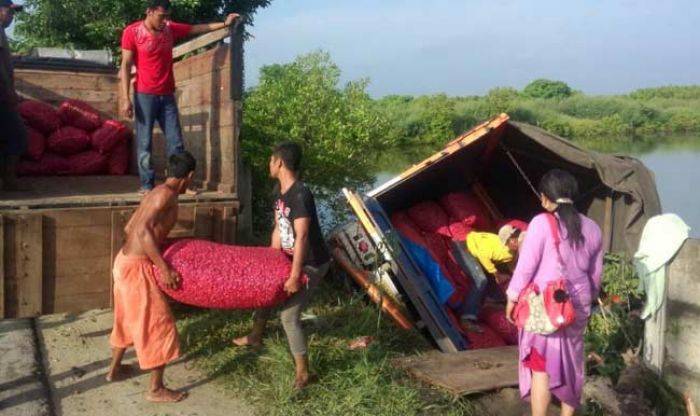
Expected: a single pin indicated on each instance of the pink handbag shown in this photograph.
(549, 311)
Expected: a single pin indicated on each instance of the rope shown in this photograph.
(521, 171)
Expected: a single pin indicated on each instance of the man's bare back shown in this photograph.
(157, 213)
(150, 226)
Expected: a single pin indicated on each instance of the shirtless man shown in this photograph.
(142, 318)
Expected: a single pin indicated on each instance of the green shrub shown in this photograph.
(545, 88)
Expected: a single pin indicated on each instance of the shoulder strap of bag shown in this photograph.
(554, 229)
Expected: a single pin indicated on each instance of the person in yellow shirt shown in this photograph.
(483, 255)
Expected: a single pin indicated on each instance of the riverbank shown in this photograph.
(435, 119)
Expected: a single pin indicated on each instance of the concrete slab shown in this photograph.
(76, 353)
(21, 390)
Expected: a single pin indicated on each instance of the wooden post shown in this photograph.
(203, 219)
(29, 272)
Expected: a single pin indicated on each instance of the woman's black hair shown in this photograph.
(559, 184)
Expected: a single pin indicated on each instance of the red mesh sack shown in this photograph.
(430, 218)
(79, 114)
(487, 339)
(48, 165)
(403, 224)
(118, 160)
(108, 136)
(466, 207)
(87, 163)
(68, 141)
(495, 318)
(226, 277)
(41, 116)
(437, 247)
(36, 143)
(459, 230)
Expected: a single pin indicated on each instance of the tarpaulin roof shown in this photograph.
(623, 174)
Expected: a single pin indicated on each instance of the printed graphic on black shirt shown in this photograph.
(286, 226)
(298, 202)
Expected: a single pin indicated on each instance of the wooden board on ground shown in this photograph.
(465, 372)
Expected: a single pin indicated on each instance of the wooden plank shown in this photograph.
(200, 42)
(203, 222)
(62, 79)
(203, 63)
(229, 225)
(28, 263)
(457, 144)
(465, 372)
(81, 302)
(82, 243)
(67, 91)
(2, 267)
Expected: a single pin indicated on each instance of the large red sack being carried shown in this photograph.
(36, 143)
(466, 207)
(118, 160)
(495, 318)
(48, 165)
(227, 277)
(430, 218)
(68, 141)
(87, 163)
(79, 114)
(108, 136)
(39, 115)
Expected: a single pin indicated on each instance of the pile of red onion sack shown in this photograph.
(222, 276)
(433, 225)
(72, 140)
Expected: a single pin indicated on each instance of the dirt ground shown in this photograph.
(75, 353)
(59, 368)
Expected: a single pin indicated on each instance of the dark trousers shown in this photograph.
(466, 261)
(148, 109)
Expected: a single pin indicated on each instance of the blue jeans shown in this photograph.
(466, 261)
(148, 109)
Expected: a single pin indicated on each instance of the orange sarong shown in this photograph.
(142, 317)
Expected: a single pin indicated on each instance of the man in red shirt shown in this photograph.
(148, 45)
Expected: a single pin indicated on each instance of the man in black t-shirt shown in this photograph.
(297, 232)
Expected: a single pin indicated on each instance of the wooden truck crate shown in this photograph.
(58, 240)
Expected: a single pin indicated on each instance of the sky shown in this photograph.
(468, 47)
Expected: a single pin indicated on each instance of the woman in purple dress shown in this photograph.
(554, 364)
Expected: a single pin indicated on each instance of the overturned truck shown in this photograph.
(491, 169)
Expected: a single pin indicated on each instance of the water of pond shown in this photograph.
(675, 162)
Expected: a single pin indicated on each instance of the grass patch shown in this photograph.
(364, 382)
(351, 382)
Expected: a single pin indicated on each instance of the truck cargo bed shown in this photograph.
(85, 191)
